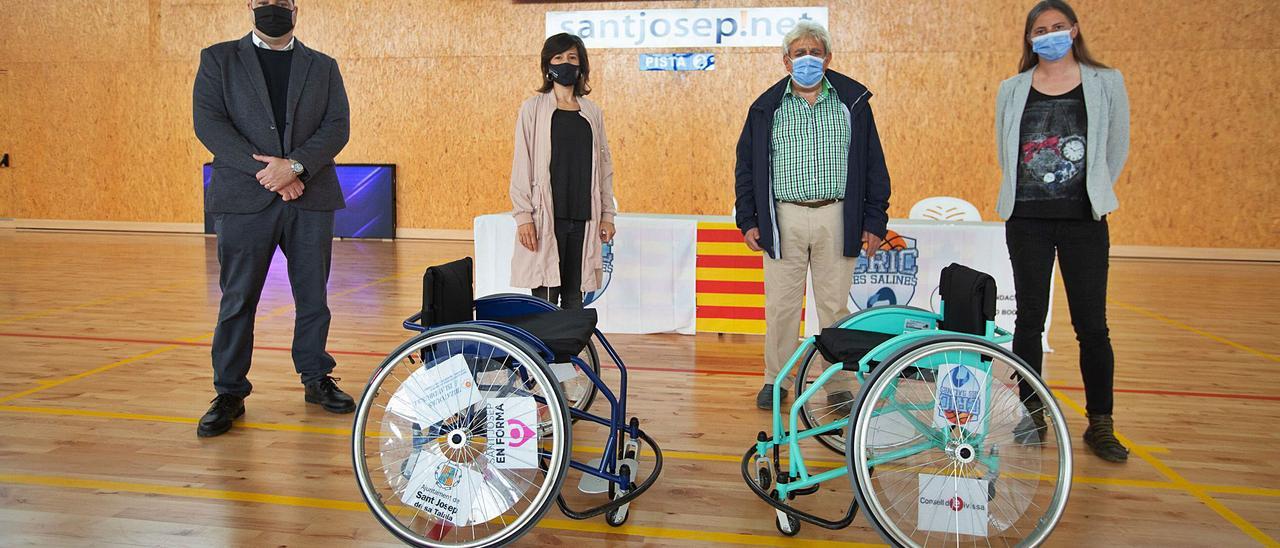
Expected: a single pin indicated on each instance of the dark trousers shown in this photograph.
(569, 240)
(1082, 247)
(246, 243)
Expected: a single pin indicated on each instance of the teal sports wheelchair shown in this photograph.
(950, 440)
(463, 435)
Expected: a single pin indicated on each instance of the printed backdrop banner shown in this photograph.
(683, 28)
(907, 269)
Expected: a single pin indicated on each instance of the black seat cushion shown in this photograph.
(446, 294)
(968, 299)
(565, 332)
(847, 346)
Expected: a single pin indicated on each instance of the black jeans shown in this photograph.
(569, 240)
(1082, 247)
(246, 243)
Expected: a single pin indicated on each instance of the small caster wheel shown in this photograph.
(787, 524)
(764, 478)
(619, 515)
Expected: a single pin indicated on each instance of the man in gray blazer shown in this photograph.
(274, 114)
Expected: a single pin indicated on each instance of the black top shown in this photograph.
(1051, 159)
(275, 68)
(570, 165)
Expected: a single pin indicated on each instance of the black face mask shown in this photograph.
(565, 74)
(273, 21)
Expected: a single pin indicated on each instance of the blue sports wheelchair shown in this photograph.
(950, 440)
(463, 436)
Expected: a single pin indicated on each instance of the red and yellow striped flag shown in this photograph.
(730, 278)
(730, 282)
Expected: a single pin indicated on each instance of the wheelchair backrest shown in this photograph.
(447, 296)
(968, 300)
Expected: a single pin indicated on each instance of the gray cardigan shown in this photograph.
(1107, 107)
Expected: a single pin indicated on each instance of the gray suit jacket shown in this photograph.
(234, 120)
(1106, 104)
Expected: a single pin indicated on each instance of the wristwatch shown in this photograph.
(297, 168)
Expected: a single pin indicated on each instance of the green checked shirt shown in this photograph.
(810, 147)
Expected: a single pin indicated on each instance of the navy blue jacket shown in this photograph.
(866, 196)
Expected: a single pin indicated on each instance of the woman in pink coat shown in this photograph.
(561, 181)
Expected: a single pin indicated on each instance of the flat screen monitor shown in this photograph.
(370, 193)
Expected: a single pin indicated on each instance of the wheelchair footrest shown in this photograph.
(593, 485)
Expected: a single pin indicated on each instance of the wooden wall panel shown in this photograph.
(95, 99)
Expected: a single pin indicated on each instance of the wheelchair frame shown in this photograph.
(798, 480)
(623, 434)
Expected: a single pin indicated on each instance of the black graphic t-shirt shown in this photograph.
(1051, 159)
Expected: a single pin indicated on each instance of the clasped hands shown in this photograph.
(278, 177)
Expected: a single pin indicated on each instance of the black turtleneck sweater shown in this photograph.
(275, 68)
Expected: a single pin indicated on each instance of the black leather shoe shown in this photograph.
(764, 399)
(217, 420)
(326, 393)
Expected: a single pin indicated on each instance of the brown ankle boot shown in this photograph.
(1101, 439)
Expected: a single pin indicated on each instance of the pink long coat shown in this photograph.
(531, 195)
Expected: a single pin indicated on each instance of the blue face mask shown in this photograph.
(1052, 46)
(807, 71)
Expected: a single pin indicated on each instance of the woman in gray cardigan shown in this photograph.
(1062, 135)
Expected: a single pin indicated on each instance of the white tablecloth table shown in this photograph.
(651, 288)
(653, 278)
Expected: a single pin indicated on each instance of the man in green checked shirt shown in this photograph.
(812, 191)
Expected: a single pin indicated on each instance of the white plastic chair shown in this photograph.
(945, 208)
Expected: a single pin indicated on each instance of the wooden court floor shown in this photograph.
(104, 369)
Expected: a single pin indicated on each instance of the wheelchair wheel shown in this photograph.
(447, 446)
(971, 477)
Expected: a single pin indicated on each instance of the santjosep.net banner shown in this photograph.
(683, 28)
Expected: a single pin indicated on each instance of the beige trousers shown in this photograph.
(812, 238)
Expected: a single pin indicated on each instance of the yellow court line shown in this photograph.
(96, 302)
(51, 384)
(1185, 327)
(1240, 490)
(45, 385)
(329, 504)
(1194, 490)
(180, 420)
(677, 455)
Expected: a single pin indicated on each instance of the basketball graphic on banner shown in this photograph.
(889, 277)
